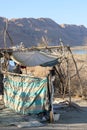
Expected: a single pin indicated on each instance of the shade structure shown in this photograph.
(34, 58)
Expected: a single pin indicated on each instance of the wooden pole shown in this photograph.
(76, 71)
(50, 96)
(69, 89)
(5, 33)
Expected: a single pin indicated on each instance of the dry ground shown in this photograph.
(72, 117)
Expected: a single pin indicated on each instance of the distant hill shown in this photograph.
(32, 32)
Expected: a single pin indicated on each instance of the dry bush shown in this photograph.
(78, 83)
(81, 62)
(38, 71)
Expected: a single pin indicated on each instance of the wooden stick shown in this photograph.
(76, 70)
(5, 33)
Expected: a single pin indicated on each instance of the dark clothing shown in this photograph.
(17, 70)
(1, 84)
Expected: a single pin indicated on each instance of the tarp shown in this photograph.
(25, 94)
(34, 58)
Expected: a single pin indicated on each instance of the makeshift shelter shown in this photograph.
(26, 94)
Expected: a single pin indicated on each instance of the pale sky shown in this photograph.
(61, 11)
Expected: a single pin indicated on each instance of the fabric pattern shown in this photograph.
(25, 94)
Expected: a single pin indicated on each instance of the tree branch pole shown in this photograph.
(5, 33)
(76, 70)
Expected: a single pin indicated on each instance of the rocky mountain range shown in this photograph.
(33, 32)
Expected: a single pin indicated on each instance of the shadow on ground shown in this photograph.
(71, 114)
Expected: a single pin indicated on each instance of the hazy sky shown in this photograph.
(61, 11)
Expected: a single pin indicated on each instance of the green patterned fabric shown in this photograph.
(25, 94)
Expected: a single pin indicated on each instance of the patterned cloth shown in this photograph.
(25, 94)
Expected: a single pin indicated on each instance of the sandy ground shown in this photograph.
(73, 117)
(76, 113)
